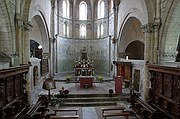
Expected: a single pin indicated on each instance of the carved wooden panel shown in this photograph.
(9, 89)
(167, 85)
(17, 85)
(176, 87)
(124, 69)
(44, 66)
(158, 83)
(2, 93)
(136, 79)
(167, 89)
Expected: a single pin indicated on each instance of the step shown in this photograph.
(87, 104)
(93, 99)
(95, 95)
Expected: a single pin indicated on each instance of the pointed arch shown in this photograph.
(83, 11)
(101, 6)
(82, 31)
(65, 8)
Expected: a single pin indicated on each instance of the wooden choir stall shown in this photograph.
(84, 70)
(13, 94)
(164, 95)
(165, 90)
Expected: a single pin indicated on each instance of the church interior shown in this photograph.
(90, 59)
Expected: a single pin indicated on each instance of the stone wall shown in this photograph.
(68, 52)
(170, 30)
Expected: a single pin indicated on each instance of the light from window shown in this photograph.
(65, 29)
(102, 29)
(83, 30)
(101, 9)
(65, 8)
(83, 11)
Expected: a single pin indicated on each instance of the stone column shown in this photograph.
(114, 39)
(52, 33)
(147, 29)
(51, 70)
(19, 25)
(156, 42)
(26, 28)
(157, 23)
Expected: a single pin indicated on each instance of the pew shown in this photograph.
(39, 110)
(142, 109)
(65, 116)
(114, 111)
(14, 110)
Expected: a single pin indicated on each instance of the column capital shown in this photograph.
(23, 24)
(52, 39)
(156, 26)
(147, 28)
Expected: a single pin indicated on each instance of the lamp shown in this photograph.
(49, 84)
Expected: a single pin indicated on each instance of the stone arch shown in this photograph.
(7, 29)
(133, 13)
(135, 50)
(89, 9)
(39, 32)
(131, 33)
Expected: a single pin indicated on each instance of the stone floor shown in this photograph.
(98, 88)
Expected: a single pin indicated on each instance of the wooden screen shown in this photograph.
(165, 89)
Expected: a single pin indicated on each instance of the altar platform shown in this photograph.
(75, 88)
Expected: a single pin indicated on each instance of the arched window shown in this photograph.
(100, 9)
(66, 29)
(82, 31)
(100, 30)
(112, 5)
(82, 11)
(65, 7)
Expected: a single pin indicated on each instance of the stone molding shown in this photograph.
(151, 27)
(23, 24)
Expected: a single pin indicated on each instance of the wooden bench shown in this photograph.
(112, 108)
(142, 109)
(39, 110)
(66, 110)
(114, 111)
(110, 114)
(65, 117)
(54, 116)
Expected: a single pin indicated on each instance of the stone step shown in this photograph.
(94, 99)
(96, 95)
(87, 104)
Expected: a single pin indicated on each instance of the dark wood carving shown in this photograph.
(13, 94)
(165, 90)
(44, 66)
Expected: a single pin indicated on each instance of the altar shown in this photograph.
(84, 70)
(86, 81)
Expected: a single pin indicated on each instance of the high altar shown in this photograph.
(84, 70)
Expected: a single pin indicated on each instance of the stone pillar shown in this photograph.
(156, 42)
(114, 39)
(52, 30)
(19, 25)
(147, 29)
(115, 9)
(157, 23)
